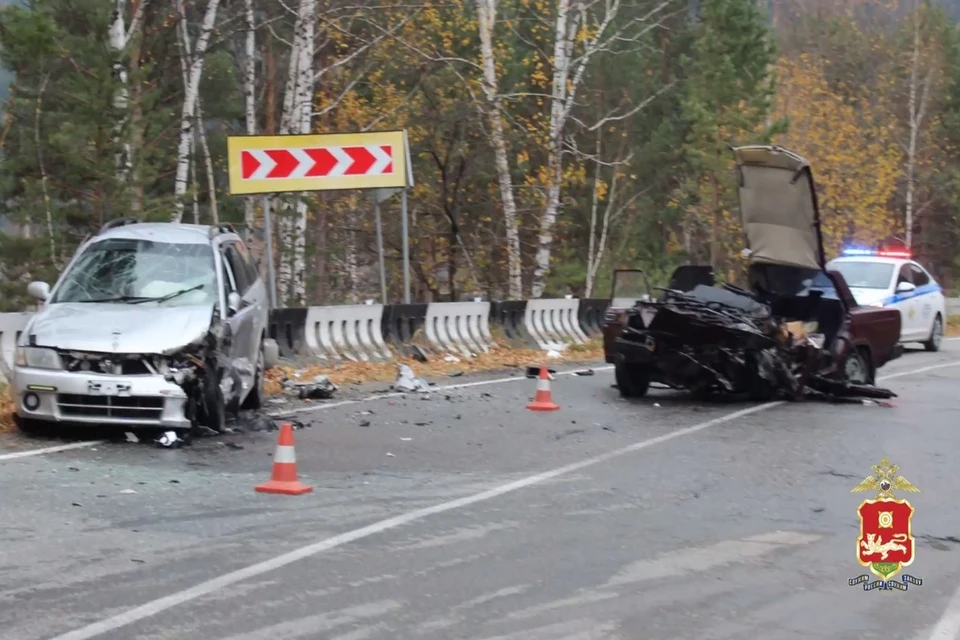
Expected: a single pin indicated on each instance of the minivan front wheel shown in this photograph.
(254, 399)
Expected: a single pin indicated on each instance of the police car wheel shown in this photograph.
(936, 335)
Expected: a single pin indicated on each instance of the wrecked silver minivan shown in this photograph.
(150, 325)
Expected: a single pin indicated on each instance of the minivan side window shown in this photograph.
(920, 277)
(253, 274)
(229, 282)
(237, 267)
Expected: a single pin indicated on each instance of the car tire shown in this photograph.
(254, 399)
(936, 335)
(633, 380)
(857, 369)
(214, 406)
(29, 426)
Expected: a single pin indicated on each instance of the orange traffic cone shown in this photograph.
(543, 400)
(284, 478)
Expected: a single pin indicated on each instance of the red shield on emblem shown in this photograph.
(885, 543)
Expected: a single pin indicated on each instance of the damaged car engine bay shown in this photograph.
(756, 345)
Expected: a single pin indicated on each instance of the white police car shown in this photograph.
(893, 279)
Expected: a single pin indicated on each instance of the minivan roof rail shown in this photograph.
(217, 229)
(119, 222)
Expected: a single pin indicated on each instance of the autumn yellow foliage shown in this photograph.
(6, 408)
(848, 136)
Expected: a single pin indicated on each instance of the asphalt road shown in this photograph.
(463, 515)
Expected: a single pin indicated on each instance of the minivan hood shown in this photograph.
(778, 207)
(119, 328)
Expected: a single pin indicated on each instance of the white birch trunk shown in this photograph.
(350, 257)
(595, 201)
(567, 75)
(486, 17)
(38, 117)
(193, 179)
(208, 164)
(308, 16)
(564, 35)
(915, 122)
(250, 110)
(118, 43)
(281, 207)
(191, 92)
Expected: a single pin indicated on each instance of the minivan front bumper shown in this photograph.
(123, 400)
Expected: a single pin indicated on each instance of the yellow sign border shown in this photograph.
(400, 178)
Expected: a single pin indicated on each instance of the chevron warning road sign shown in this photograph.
(279, 164)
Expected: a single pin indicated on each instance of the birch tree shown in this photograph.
(601, 28)
(493, 110)
(250, 105)
(918, 95)
(612, 211)
(119, 39)
(296, 117)
(191, 92)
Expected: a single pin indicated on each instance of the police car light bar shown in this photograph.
(879, 254)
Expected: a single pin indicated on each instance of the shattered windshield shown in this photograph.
(864, 275)
(141, 272)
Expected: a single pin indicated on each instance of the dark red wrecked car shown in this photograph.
(796, 330)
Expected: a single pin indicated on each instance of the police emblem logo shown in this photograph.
(886, 543)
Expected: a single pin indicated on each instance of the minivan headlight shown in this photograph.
(38, 358)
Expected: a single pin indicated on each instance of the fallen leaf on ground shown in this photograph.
(6, 409)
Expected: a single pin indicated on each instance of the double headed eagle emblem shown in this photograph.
(884, 481)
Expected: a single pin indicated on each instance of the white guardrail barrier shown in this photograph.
(350, 332)
(11, 325)
(553, 323)
(459, 327)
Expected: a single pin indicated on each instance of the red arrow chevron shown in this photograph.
(286, 163)
(248, 164)
(362, 161)
(316, 162)
(323, 162)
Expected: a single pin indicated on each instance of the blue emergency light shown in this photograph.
(880, 254)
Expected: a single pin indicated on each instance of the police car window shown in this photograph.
(904, 274)
(863, 275)
(920, 277)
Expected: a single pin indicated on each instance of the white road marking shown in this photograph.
(948, 626)
(683, 561)
(213, 585)
(40, 452)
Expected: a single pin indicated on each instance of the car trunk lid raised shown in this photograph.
(778, 207)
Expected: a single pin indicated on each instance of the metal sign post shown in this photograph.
(268, 232)
(383, 268)
(406, 247)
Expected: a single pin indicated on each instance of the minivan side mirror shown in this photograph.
(39, 290)
(233, 302)
(904, 287)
